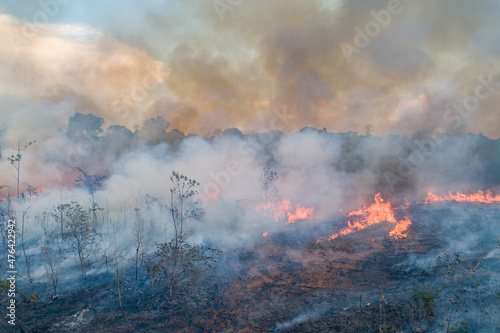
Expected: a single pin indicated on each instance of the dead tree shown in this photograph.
(118, 259)
(60, 215)
(15, 160)
(93, 183)
(268, 181)
(139, 239)
(49, 255)
(81, 231)
(182, 207)
(178, 260)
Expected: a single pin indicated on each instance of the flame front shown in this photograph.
(478, 197)
(377, 212)
(285, 210)
(400, 229)
(301, 213)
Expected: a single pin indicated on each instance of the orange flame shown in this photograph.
(478, 197)
(406, 204)
(285, 210)
(375, 213)
(401, 227)
(301, 213)
(39, 190)
(265, 234)
(212, 196)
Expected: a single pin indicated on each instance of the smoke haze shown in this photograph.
(202, 66)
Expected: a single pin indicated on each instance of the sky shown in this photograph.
(399, 66)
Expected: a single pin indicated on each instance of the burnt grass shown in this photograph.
(287, 283)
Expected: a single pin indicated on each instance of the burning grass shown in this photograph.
(478, 197)
(291, 283)
(376, 213)
(285, 211)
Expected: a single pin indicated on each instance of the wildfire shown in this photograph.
(25, 193)
(285, 210)
(401, 227)
(301, 213)
(38, 191)
(406, 204)
(265, 234)
(478, 197)
(377, 212)
(212, 196)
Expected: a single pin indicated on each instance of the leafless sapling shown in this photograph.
(268, 180)
(81, 231)
(15, 160)
(178, 260)
(92, 183)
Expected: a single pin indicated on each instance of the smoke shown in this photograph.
(75, 63)
(318, 311)
(343, 99)
(327, 172)
(204, 67)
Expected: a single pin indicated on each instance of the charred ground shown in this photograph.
(290, 283)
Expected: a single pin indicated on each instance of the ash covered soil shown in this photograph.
(362, 282)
